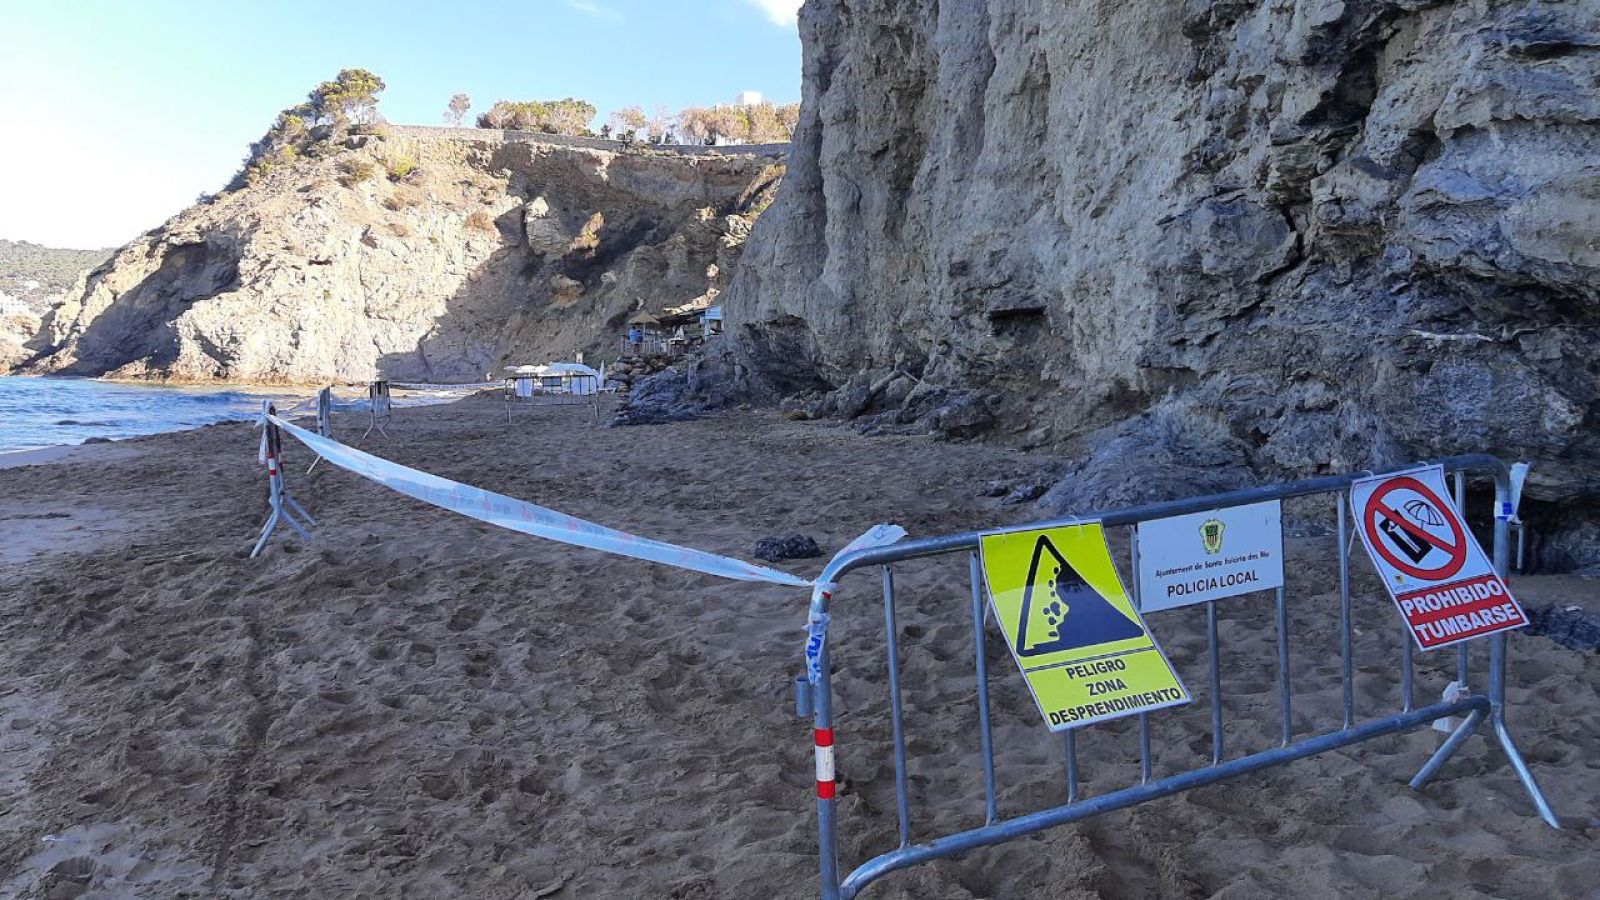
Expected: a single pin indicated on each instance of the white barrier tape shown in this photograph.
(876, 536)
(528, 518)
(261, 423)
(475, 386)
(1519, 477)
(816, 636)
(817, 626)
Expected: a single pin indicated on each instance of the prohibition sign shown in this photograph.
(1455, 551)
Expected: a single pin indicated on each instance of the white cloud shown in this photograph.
(595, 10)
(781, 12)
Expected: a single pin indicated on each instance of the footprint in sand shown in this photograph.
(424, 655)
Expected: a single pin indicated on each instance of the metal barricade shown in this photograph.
(381, 405)
(553, 390)
(816, 692)
(324, 420)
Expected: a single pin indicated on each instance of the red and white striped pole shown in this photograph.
(826, 786)
(274, 447)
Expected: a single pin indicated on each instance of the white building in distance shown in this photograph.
(13, 306)
(749, 98)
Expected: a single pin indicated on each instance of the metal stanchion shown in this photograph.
(278, 500)
(381, 407)
(324, 420)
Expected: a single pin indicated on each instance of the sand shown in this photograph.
(419, 705)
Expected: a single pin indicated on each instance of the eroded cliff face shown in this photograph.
(356, 265)
(1194, 243)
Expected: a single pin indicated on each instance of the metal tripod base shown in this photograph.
(1459, 737)
(283, 515)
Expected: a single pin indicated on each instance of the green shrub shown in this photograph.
(401, 167)
(355, 171)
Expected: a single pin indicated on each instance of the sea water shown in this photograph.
(43, 412)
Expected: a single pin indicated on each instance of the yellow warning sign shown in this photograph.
(1081, 645)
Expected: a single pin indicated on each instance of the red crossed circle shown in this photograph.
(1456, 551)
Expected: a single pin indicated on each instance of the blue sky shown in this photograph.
(119, 113)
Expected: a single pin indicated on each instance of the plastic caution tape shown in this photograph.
(475, 386)
(817, 623)
(538, 521)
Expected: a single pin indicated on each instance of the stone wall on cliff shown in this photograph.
(1199, 242)
(422, 257)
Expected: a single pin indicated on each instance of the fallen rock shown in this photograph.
(657, 399)
(1570, 626)
(965, 415)
(795, 546)
(1162, 455)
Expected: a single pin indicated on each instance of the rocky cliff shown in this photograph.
(33, 279)
(413, 256)
(1195, 242)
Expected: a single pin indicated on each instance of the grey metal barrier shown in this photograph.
(565, 389)
(381, 406)
(324, 420)
(815, 694)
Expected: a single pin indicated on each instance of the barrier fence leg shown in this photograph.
(827, 826)
(380, 408)
(1346, 662)
(1216, 682)
(990, 803)
(1497, 687)
(324, 422)
(266, 532)
(1069, 746)
(1407, 673)
(1144, 718)
(302, 511)
(1497, 716)
(1497, 667)
(892, 630)
(1285, 700)
(277, 496)
(1447, 750)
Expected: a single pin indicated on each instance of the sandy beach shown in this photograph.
(420, 705)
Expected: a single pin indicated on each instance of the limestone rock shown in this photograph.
(490, 253)
(546, 234)
(1318, 235)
